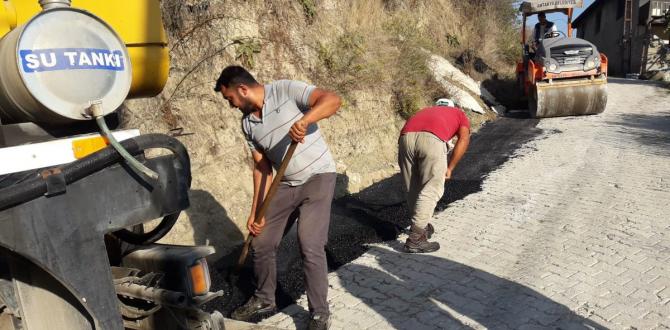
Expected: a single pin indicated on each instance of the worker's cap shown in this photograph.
(445, 102)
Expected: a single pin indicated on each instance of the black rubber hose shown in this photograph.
(37, 186)
(150, 237)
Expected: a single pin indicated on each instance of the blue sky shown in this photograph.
(561, 20)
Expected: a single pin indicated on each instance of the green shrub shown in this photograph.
(413, 86)
(411, 78)
(452, 40)
(245, 50)
(407, 102)
(344, 63)
(309, 8)
(406, 30)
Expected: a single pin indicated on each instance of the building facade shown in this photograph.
(630, 32)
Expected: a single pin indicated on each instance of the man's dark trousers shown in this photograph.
(313, 199)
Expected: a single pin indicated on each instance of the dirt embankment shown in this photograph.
(374, 53)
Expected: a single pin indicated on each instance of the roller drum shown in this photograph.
(568, 98)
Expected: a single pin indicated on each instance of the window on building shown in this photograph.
(599, 18)
(658, 8)
(655, 9)
(665, 6)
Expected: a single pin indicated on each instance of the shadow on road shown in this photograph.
(652, 131)
(445, 294)
(623, 81)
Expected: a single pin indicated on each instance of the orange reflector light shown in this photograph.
(199, 275)
(87, 146)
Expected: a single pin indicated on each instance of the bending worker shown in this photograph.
(273, 115)
(422, 156)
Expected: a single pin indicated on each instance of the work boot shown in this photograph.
(429, 230)
(417, 242)
(319, 322)
(254, 310)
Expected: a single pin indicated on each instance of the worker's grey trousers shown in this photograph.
(422, 157)
(313, 199)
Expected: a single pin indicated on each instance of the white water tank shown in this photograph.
(56, 64)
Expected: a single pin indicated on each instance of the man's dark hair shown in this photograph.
(234, 75)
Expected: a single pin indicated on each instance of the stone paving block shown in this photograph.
(350, 300)
(608, 267)
(413, 324)
(365, 318)
(333, 295)
(285, 323)
(662, 292)
(380, 324)
(650, 321)
(631, 272)
(661, 281)
(396, 305)
(610, 312)
(584, 281)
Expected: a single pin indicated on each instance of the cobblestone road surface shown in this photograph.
(572, 233)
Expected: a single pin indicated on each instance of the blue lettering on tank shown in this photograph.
(57, 59)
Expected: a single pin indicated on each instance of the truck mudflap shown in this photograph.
(570, 97)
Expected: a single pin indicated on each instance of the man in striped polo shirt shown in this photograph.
(274, 115)
(422, 156)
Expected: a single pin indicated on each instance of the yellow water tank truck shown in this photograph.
(74, 195)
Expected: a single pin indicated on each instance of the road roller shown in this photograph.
(560, 75)
(82, 206)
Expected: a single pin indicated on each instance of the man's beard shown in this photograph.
(247, 107)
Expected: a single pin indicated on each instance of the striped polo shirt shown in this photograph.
(285, 103)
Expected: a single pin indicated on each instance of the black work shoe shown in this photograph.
(319, 322)
(417, 242)
(429, 230)
(254, 311)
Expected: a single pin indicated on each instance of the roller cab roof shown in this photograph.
(549, 6)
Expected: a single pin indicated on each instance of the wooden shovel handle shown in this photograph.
(266, 201)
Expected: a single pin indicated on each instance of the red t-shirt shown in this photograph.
(442, 121)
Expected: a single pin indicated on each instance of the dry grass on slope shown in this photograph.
(380, 44)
